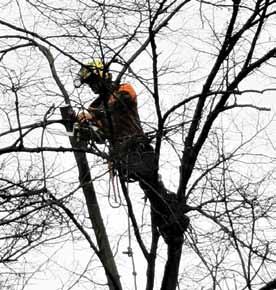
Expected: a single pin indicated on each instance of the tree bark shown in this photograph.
(93, 209)
(168, 215)
(170, 277)
(152, 255)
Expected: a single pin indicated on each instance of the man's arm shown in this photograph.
(94, 113)
(123, 99)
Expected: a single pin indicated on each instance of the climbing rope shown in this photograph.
(115, 188)
(129, 251)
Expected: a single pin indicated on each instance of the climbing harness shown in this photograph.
(133, 157)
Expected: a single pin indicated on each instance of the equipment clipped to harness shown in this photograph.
(134, 158)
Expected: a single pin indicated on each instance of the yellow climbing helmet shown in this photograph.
(94, 67)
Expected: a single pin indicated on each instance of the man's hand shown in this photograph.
(84, 116)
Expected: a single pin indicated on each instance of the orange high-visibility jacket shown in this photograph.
(122, 107)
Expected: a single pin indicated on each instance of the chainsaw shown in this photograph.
(85, 131)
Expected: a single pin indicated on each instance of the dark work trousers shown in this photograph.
(135, 160)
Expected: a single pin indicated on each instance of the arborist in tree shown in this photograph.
(115, 118)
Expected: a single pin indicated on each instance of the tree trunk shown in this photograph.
(170, 277)
(168, 215)
(152, 255)
(93, 209)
